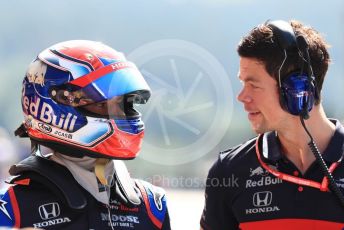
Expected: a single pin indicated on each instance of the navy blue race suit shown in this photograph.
(45, 195)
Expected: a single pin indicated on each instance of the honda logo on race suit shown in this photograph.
(49, 211)
(261, 199)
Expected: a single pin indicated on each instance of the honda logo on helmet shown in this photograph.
(261, 199)
(49, 211)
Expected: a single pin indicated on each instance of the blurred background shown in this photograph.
(187, 52)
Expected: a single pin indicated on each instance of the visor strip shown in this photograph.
(89, 78)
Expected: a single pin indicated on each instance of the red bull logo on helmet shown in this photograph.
(45, 113)
(36, 72)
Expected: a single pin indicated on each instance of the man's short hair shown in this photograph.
(262, 45)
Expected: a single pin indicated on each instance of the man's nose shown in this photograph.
(244, 96)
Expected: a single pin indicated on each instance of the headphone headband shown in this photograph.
(284, 33)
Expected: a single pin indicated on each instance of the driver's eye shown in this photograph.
(101, 105)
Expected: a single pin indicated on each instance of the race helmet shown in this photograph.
(78, 99)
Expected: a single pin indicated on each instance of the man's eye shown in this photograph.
(255, 86)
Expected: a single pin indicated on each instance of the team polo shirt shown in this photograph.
(241, 194)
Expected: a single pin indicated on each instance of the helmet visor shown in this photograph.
(125, 81)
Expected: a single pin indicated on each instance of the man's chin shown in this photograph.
(259, 129)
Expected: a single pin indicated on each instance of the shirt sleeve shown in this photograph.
(217, 213)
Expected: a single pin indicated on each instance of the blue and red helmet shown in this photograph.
(69, 77)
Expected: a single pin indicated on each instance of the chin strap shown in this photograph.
(99, 170)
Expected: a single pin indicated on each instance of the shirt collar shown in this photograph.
(271, 151)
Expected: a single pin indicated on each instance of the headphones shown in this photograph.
(297, 89)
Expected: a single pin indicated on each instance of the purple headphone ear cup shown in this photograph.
(297, 94)
(297, 90)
